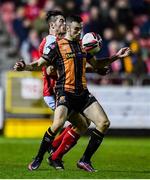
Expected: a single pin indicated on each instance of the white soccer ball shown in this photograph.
(92, 42)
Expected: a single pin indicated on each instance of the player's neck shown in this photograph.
(68, 37)
(56, 34)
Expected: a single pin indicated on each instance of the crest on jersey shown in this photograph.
(49, 48)
(62, 99)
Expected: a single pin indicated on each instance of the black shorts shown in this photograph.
(78, 103)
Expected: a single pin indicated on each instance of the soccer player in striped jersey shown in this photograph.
(68, 57)
(65, 137)
(71, 134)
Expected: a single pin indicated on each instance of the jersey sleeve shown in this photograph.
(49, 49)
(50, 52)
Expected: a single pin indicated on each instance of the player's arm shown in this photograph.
(34, 66)
(101, 63)
(101, 71)
(49, 54)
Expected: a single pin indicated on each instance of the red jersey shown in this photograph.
(48, 82)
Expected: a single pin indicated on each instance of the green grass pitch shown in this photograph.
(117, 158)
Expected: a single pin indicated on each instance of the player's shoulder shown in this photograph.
(50, 39)
(46, 41)
(50, 44)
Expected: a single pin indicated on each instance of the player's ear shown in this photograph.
(67, 28)
(52, 25)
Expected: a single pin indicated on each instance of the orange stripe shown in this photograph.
(83, 74)
(65, 48)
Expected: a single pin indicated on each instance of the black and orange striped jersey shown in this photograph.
(69, 59)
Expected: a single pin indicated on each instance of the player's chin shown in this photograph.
(63, 31)
(77, 37)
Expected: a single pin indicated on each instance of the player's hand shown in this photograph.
(123, 52)
(49, 70)
(104, 71)
(19, 66)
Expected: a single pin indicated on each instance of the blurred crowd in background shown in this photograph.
(119, 22)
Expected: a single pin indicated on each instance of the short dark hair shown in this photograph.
(72, 18)
(50, 16)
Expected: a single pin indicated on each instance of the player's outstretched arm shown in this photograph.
(34, 66)
(101, 63)
(101, 71)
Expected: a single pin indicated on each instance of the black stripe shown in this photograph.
(80, 67)
(72, 46)
(61, 68)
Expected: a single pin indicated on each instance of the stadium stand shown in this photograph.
(119, 23)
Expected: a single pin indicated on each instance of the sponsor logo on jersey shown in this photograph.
(70, 55)
(62, 99)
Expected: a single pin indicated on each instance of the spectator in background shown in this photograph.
(125, 15)
(84, 11)
(70, 7)
(41, 3)
(32, 10)
(49, 5)
(147, 61)
(113, 47)
(7, 15)
(108, 36)
(40, 25)
(139, 65)
(120, 23)
(21, 25)
(85, 5)
(113, 18)
(145, 28)
(145, 51)
(93, 24)
(29, 48)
